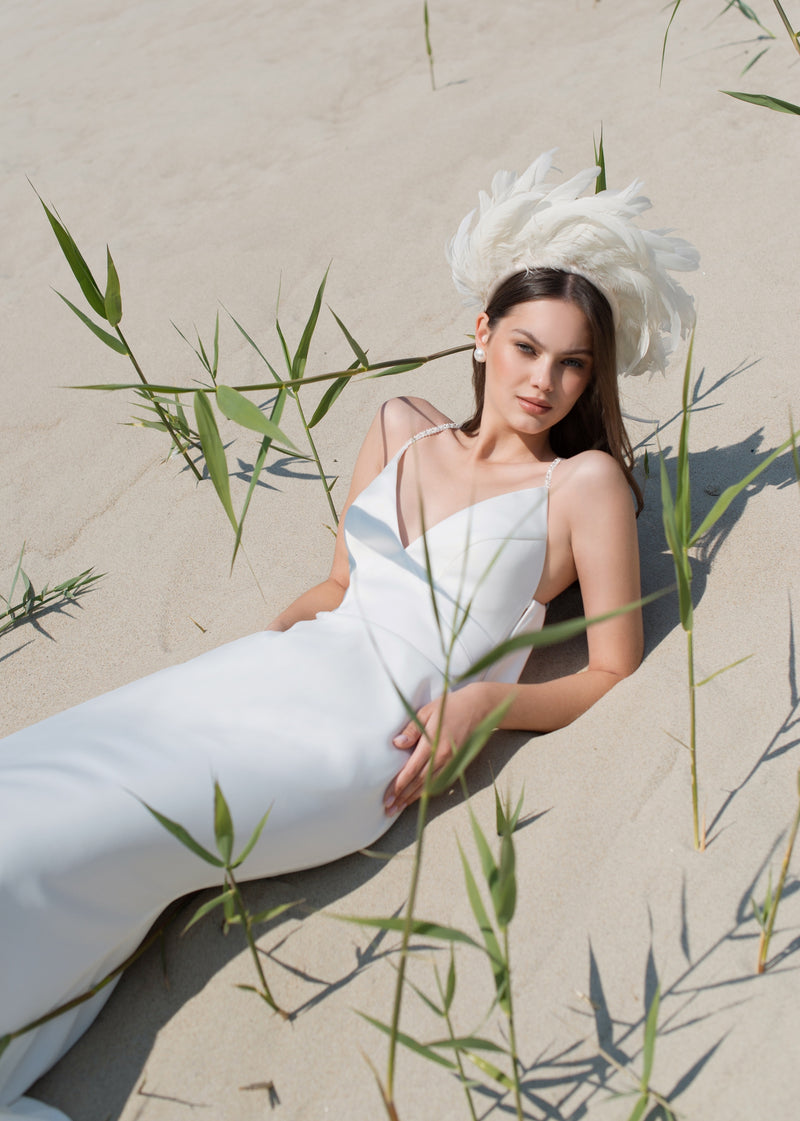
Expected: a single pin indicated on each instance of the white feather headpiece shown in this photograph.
(525, 224)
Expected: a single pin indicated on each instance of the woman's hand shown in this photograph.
(458, 714)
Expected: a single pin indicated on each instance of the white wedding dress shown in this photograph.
(301, 721)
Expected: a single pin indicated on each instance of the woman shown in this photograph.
(454, 537)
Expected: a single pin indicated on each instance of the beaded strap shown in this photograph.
(550, 471)
(427, 432)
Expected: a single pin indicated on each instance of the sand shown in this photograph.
(222, 150)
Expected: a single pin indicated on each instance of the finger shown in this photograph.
(413, 772)
(410, 735)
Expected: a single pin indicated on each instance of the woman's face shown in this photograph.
(538, 363)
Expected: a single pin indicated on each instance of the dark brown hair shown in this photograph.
(595, 421)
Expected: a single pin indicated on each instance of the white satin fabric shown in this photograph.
(300, 721)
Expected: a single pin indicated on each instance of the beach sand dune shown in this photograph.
(223, 151)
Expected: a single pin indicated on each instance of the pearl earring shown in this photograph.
(479, 354)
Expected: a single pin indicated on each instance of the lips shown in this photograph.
(534, 406)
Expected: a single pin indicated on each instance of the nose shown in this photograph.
(542, 374)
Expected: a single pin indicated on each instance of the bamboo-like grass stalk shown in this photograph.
(33, 603)
(676, 516)
(230, 898)
(645, 1094)
(767, 914)
(107, 305)
(764, 99)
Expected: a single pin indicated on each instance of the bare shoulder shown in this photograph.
(590, 491)
(594, 468)
(400, 418)
(592, 475)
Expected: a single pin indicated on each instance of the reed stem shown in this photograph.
(793, 35)
(161, 413)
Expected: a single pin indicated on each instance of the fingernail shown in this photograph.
(401, 741)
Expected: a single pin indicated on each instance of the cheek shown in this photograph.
(577, 385)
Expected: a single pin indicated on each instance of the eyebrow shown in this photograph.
(569, 350)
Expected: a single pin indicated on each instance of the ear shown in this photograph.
(482, 331)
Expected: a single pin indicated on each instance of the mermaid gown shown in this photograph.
(301, 721)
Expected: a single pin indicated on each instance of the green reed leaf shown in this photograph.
(110, 340)
(409, 1042)
(266, 443)
(418, 926)
(767, 101)
(683, 494)
(182, 835)
(271, 912)
(490, 1069)
(248, 848)
(327, 400)
(358, 350)
(214, 453)
(600, 160)
(461, 1042)
(552, 634)
(235, 406)
(400, 368)
(207, 907)
(728, 495)
(471, 747)
(753, 61)
(426, 1000)
(488, 865)
(666, 36)
(718, 672)
(650, 1030)
(638, 1110)
(504, 821)
(223, 825)
(450, 989)
(74, 258)
(681, 563)
(112, 300)
(504, 896)
(255, 347)
(496, 959)
(298, 366)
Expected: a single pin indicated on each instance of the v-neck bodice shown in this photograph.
(485, 559)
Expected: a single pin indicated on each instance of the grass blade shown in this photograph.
(248, 848)
(411, 1043)
(359, 352)
(666, 36)
(235, 406)
(301, 354)
(182, 835)
(472, 746)
(731, 492)
(651, 1027)
(207, 907)
(418, 926)
(600, 160)
(112, 300)
(214, 453)
(74, 258)
(327, 400)
(767, 101)
(109, 340)
(223, 825)
(551, 635)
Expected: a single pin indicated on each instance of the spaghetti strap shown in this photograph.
(425, 432)
(550, 471)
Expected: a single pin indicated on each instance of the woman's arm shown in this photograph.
(596, 542)
(394, 422)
